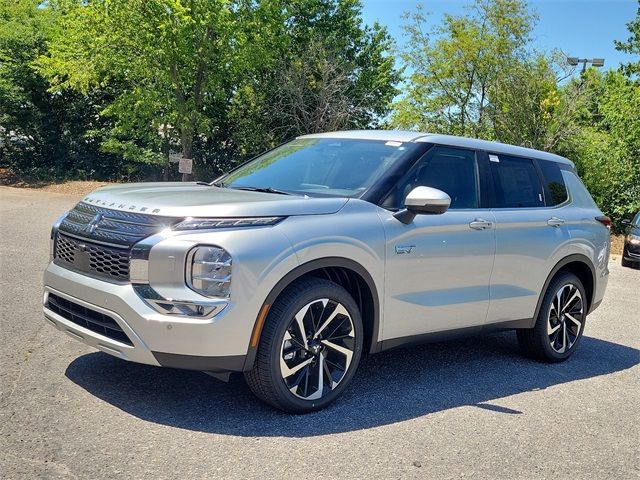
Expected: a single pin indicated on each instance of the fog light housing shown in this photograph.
(209, 271)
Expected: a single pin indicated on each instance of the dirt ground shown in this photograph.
(76, 187)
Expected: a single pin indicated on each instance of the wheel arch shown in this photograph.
(343, 271)
(581, 266)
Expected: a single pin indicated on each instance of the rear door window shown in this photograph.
(516, 182)
(555, 190)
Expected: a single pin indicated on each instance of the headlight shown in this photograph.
(209, 223)
(635, 239)
(209, 271)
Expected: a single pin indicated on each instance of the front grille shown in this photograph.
(107, 263)
(85, 317)
(98, 241)
(115, 227)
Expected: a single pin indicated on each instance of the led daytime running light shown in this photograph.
(213, 223)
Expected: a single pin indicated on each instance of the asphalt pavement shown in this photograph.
(469, 408)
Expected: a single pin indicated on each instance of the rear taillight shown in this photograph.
(606, 221)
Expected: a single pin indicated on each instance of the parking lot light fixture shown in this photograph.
(595, 62)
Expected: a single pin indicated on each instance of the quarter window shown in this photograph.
(555, 188)
(516, 181)
(451, 170)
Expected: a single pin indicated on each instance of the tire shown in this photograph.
(544, 341)
(291, 373)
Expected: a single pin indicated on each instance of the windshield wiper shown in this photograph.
(262, 190)
(250, 189)
(210, 184)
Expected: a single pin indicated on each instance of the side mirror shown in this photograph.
(423, 200)
(626, 222)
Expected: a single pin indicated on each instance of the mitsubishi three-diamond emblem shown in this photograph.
(93, 224)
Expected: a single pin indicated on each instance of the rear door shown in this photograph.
(529, 197)
(438, 266)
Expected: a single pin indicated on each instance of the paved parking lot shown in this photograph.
(471, 408)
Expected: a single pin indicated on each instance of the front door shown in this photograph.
(438, 267)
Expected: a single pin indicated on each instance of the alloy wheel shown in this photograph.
(566, 315)
(317, 349)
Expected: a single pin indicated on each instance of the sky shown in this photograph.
(580, 28)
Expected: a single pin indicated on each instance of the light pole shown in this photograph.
(595, 62)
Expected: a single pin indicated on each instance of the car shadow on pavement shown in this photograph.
(389, 387)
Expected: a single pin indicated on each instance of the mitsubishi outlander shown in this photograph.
(293, 266)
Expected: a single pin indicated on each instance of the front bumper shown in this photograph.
(218, 344)
(631, 251)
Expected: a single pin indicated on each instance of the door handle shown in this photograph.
(555, 221)
(480, 224)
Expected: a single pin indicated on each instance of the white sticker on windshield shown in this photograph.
(391, 143)
(494, 158)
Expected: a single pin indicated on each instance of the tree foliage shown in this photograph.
(219, 77)
(477, 75)
(631, 46)
(41, 133)
(310, 65)
(606, 149)
(529, 107)
(165, 60)
(455, 65)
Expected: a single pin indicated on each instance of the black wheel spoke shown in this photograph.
(334, 365)
(299, 376)
(337, 337)
(306, 381)
(327, 373)
(339, 323)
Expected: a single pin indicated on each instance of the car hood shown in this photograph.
(181, 199)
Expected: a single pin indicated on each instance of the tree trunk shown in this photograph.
(187, 152)
(166, 149)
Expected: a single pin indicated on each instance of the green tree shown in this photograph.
(631, 46)
(528, 105)
(309, 65)
(166, 61)
(455, 66)
(41, 133)
(216, 77)
(607, 148)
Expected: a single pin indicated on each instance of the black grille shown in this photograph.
(97, 260)
(97, 241)
(115, 227)
(87, 318)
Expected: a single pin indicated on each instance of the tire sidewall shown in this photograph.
(314, 292)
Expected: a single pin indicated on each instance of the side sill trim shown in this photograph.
(445, 335)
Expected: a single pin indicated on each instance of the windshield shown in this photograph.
(320, 166)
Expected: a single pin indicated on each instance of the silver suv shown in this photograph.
(292, 266)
